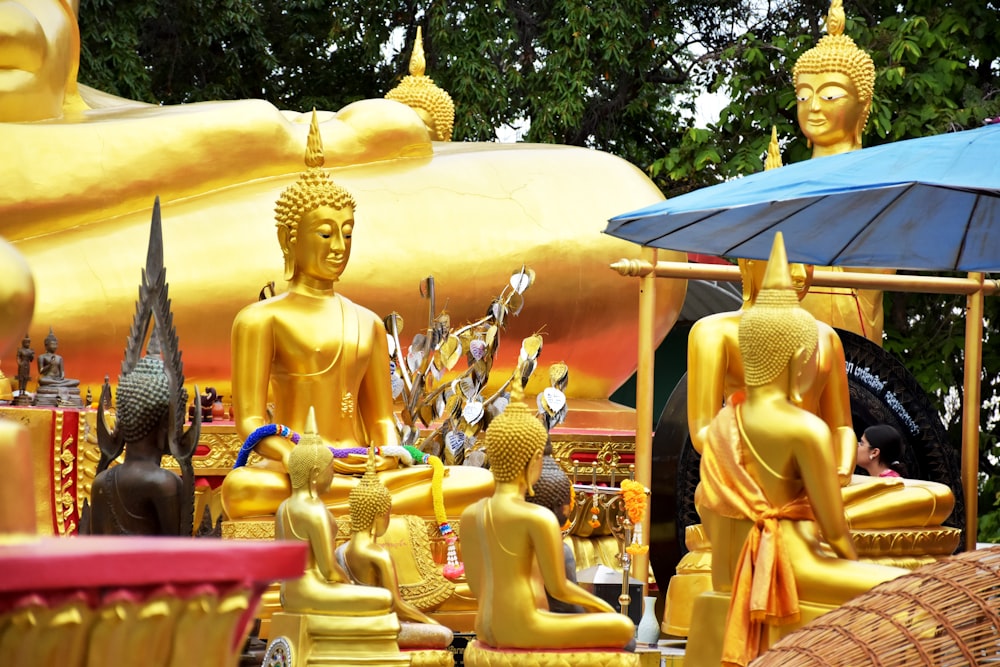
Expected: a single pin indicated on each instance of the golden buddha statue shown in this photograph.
(17, 300)
(419, 92)
(716, 370)
(313, 347)
(769, 482)
(834, 84)
(82, 167)
(368, 563)
(513, 554)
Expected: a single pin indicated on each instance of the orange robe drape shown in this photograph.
(764, 589)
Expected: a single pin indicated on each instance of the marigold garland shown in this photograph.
(634, 495)
(595, 520)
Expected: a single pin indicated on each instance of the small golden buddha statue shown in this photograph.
(769, 481)
(513, 554)
(313, 347)
(418, 91)
(324, 588)
(368, 563)
(834, 84)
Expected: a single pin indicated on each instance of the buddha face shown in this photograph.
(322, 243)
(35, 58)
(51, 345)
(323, 477)
(830, 112)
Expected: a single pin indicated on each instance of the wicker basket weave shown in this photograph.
(946, 613)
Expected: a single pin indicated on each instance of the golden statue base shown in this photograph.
(345, 641)
(424, 658)
(478, 654)
(704, 646)
(908, 548)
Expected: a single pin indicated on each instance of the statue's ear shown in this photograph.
(801, 373)
(286, 242)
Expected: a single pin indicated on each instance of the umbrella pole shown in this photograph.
(644, 403)
(971, 409)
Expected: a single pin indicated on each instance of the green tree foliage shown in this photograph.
(618, 76)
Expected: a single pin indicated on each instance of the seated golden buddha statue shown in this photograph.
(769, 485)
(834, 83)
(83, 166)
(369, 563)
(313, 347)
(716, 370)
(513, 554)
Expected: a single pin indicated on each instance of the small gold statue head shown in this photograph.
(143, 399)
(419, 92)
(313, 190)
(310, 465)
(515, 440)
(553, 489)
(775, 327)
(834, 85)
(369, 500)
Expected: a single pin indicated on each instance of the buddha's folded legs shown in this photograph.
(886, 504)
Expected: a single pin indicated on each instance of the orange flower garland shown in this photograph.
(634, 495)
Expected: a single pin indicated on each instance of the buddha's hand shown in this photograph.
(355, 464)
(596, 604)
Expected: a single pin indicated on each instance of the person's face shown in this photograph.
(323, 242)
(35, 39)
(864, 452)
(829, 110)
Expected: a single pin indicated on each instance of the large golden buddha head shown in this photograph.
(775, 327)
(311, 210)
(369, 500)
(834, 85)
(515, 442)
(418, 91)
(39, 58)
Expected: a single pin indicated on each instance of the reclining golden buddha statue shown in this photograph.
(83, 166)
(311, 347)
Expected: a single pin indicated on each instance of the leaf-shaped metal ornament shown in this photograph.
(515, 302)
(455, 441)
(449, 353)
(531, 347)
(559, 375)
(397, 385)
(522, 280)
(477, 348)
(472, 412)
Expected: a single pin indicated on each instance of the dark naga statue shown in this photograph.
(138, 497)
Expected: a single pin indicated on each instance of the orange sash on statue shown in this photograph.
(764, 584)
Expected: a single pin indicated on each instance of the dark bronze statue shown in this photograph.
(138, 497)
(25, 355)
(54, 388)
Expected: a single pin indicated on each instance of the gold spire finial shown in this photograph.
(775, 326)
(835, 19)
(419, 92)
(773, 159)
(314, 144)
(778, 276)
(311, 432)
(418, 63)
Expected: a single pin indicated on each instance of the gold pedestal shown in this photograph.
(342, 641)
(478, 654)
(708, 628)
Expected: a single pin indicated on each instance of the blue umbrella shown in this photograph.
(930, 204)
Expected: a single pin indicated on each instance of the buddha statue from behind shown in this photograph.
(310, 346)
(716, 371)
(369, 563)
(54, 388)
(513, 554)
(769, 483)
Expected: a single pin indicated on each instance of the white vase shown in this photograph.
(648, 630)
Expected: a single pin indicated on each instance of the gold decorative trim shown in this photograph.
(906, 542)
(248, 529)
(480, 655)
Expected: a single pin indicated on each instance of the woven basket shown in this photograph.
(946, 613)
